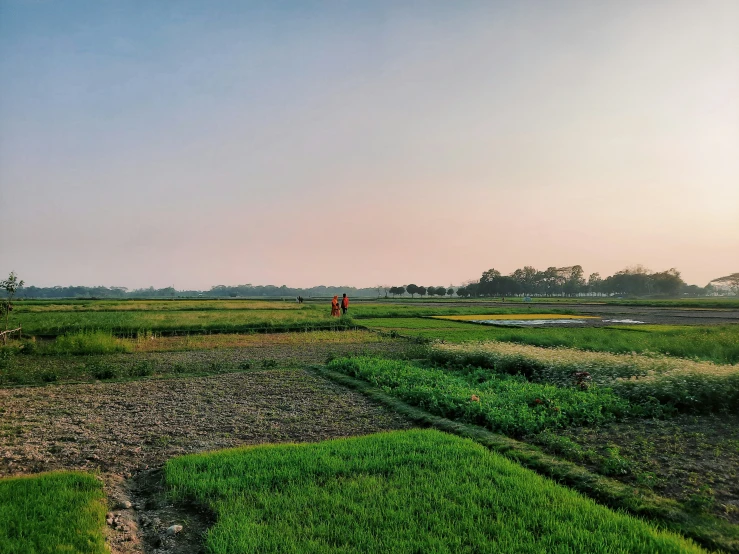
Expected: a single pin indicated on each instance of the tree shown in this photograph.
(422, 291)
(11, 286)
(572, 279)
(397, 290)
(667, 282)
(450, 291)
(731, 280)
(412, 289)
(595, 282)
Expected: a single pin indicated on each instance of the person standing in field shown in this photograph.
(344, 304)
(335, 306)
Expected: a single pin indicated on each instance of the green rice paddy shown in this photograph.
(52, 513)
(412, 491)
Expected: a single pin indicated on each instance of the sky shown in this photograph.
(362, 143)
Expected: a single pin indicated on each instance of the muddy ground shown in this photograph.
(125, 430)
(647, 314)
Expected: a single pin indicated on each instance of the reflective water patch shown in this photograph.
(526, 322)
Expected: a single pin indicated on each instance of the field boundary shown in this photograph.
(708, 531)
(5, 334)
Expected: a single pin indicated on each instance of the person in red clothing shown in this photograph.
(335, 306)
(344, 304)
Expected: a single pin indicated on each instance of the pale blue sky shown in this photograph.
(304, 143)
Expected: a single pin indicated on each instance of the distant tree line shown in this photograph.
(528, 281)
(218, 291)
(414, 290)
(570, 281)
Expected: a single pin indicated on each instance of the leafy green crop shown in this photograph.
(503, 403)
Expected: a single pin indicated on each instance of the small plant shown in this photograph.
(28, 346)
(269, 363)
(614, 463)
(582, 379)
(11, 286)
(246, 364)
(701, 501)
(648, 479)
(49, 376)
(143, 368)
(179, 367)
(100, 371)
(560, 445)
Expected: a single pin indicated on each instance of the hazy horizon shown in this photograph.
(301, 143)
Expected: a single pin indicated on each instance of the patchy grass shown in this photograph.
(133, 323)
(208, 342)
(716, 343)
(151, 305)
(52, 513)
(502, 403)
(693, 459)
(372, 494)
(80, 343)
(196, 355)
(687, 385)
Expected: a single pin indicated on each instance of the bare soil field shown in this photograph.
(124, 430)
(693, 459)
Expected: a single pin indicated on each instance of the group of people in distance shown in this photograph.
(335, 305)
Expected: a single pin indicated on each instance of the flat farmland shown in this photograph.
(122, 389)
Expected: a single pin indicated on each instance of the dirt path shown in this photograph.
(125, 429)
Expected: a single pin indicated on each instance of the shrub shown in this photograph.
(101, 371)
(142, 369)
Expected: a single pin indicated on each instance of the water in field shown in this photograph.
(527, 322)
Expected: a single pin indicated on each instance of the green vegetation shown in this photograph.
(132, 322)
(685, 385)
(712, 532)
(503, 403)
(80, 343)
(716, 343)
(34, 362)
(372, 494)
(52, 513)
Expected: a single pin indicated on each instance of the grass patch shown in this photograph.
(52, 513)
(373, 494)
(83, 343)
